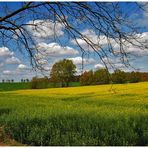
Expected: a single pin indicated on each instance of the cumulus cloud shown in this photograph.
(45, 64)
(78, 60)
(6, 58)
(52, 52)
(99, 66)
(111, 60)
(42, 61)
(101, 41)
(22, 66)
(12, 60)
(44, 29)
(54, 49)
(5, 52)
(135, 50)
(90, 36)
(7, 72)
(115, 63)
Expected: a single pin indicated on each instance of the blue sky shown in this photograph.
(16, 65)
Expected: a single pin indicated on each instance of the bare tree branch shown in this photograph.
(105, 19)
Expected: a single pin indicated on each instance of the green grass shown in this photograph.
(19, 86)
(57, 85)
(14, 86)
(90, 115)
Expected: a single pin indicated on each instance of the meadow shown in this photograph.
(14, 86)
(88, 115)
(28, 85)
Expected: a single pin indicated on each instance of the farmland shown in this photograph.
(28, 85)
(14, 86)
(89, 115)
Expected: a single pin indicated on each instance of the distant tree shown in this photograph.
(134, 77)
(12, 80)
(119, 77)
(143, 76)
(86, 78)
(76, 78)
(63, 72)
(34, 83)
(101, 76)
(27, 80)
(21, 80)
(3, 81)
(37, 83)
(44, 81)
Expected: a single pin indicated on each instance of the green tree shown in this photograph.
(134, 77)
(34, 83)
(27, 80)
(86, 78)
(63, 72)
(119, 77)
(37, 83)
(101, 76)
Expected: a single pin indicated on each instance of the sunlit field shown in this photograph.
(89, 115)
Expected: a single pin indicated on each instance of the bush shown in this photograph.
(134, 77)
(86, 78)
(37, 83)
(101, 76)
(119, 77)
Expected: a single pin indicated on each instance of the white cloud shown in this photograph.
(78, 60)
(99, 66)
(54, 49)
(44, 64)
(134, 49)
(44, 29)
(101, 41)
(12, 60)
(42, 61)
(22, 66)
(7, 72)
(5, 52)
(90, 37)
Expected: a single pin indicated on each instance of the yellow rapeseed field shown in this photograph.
(138, 88)
(88, 115)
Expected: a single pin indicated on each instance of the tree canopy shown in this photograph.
(63, 72)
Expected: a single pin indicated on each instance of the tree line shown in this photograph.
(12, 80)
(102, 76)
(64, 71)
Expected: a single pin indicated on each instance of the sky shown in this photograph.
(16, 65)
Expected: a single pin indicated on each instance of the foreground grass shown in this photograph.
(5, 140)
(90, 115)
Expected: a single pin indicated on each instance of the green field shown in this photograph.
(19, 86)
(89, 115)
(14, 86)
